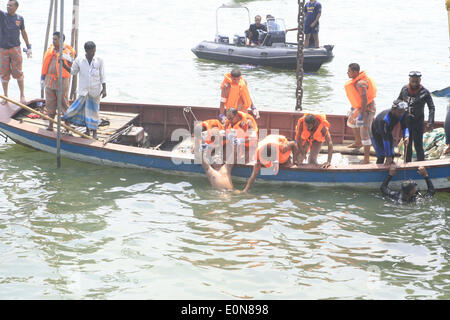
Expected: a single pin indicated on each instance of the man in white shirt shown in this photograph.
(91, 86)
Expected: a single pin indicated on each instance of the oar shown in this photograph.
(45, 116)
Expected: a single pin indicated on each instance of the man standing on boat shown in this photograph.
(12, 26)
(235, 95)
(382, 126)
(313, 11)
(409, 191)
(50, 75)
(92, 85)
(416, 96)
(361, 92)
(311, 132)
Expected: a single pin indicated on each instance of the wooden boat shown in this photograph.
(142, 139)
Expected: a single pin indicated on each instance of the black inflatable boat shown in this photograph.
(272, 49)
(280, 55)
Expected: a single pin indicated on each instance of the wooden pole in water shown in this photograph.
(448, 11)
(49, 22)
(300, 46)
(74, 43)
(60, 87)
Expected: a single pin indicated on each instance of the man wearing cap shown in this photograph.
(11, 27)
(382, 126)
(409, 191)
(415, 95)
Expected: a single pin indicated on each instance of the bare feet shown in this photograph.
(364, 162)
(447, 151)
(23, 100)
(354, 145)
(3, 102)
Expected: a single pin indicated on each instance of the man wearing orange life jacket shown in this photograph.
(243, 123)
(311, 132)
(265, 156)
(361, 92)
(235, 95)
(50, 74)
(206, 133)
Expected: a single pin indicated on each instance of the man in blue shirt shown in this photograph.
(313, 11)
(382, 126)
(11, 26)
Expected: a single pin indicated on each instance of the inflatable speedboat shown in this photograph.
(272, 49)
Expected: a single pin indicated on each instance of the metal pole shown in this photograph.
(55, 17)
(300, 46)
(49, 22)
(448, 11)
(60, 87)
(74, 42)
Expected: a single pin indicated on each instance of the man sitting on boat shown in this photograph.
(272, 151)
(253, 35)
(311, 132)
(409, 192)
(240, 127)
(382, 126)
(235, 94)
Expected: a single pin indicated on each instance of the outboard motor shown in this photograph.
(239, 40)
(222, 39)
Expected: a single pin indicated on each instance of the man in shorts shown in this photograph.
(11, 27)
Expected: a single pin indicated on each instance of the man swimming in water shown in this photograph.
(219, 175)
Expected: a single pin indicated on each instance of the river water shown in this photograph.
(92, 232)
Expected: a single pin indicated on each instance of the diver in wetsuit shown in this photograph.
(409, 192)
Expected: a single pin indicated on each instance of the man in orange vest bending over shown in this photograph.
(235, 95)
(264, 156)
(361, 92)
(311, 132)
(50, 74)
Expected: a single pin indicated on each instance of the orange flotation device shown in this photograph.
(239, 96)
(279, 142)
(242, 126)
(317, 135)
(68, 50)
(352, 93)
(208, 125)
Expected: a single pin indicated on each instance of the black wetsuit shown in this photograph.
(416, 125)
(400, 196)
(382, 139)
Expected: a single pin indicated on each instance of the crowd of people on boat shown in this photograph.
(236, 126)
(236, 123)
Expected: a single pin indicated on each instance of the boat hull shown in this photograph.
(281, 56)
(355, 176)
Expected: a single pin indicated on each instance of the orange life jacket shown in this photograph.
(279, 142)
(353, 94)
(209, 125)
(48, 57)
(243, 123)
(312, 136)
(238, 96)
